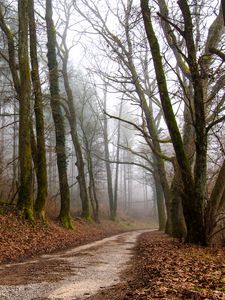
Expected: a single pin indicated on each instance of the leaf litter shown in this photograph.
(20, 240)
(164, 268)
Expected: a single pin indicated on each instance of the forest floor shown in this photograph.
(20, 240)
(161, 268)
(164, 268)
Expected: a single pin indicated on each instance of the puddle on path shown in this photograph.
(73, 274)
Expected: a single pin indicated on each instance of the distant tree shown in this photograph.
(70, 109)
(115, 199)
(107, 160)
(121, 48)
(90, 132)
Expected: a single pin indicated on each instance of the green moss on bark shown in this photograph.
(66, 221)
(40, 157)
(25, 201)
(58, 118)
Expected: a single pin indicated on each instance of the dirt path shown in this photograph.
(164, 268)
(72, 274)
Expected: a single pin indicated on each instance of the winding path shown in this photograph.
(72, 274)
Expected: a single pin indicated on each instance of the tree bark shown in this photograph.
(64, 215)
(39, 206)
(178, 223)
(72, 118)
(193, 192)
(159, 200)
(200, 122)
(223, 9)
(151, 126)
(25, 201)
(117, 165)
(92, 188)
(107, 164)
(216, 201)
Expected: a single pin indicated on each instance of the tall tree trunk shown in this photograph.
(14, 157)
(124, 183)
(92, 188)
(2, 141)
(159, 164)
(200, 122)
(72, 118)
(151, 126)
(117, 165)
(213, 38)
(178, 222)
(64, 215)
(107, 163)
(25, 201)
(193, 192)
(129, 188)
(39, 206)
(216, 201)
(81, 173)
(159, 200)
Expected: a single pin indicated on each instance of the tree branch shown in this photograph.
(214, 123)
(218, 53)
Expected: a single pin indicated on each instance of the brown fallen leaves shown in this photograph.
(164, 268)
(171, 270)
(20, 240)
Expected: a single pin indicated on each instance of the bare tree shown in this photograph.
(71, 111)
(130, 79)
(91, 131)
(107, 159)
(193, 185)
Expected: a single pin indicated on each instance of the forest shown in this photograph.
(115, 106)
(112, 164)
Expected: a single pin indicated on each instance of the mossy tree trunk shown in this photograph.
(200, 122)
(22, 85)
(25, 201)
(193, 193)
(64, 215)
(41, 169)
(213, 38)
